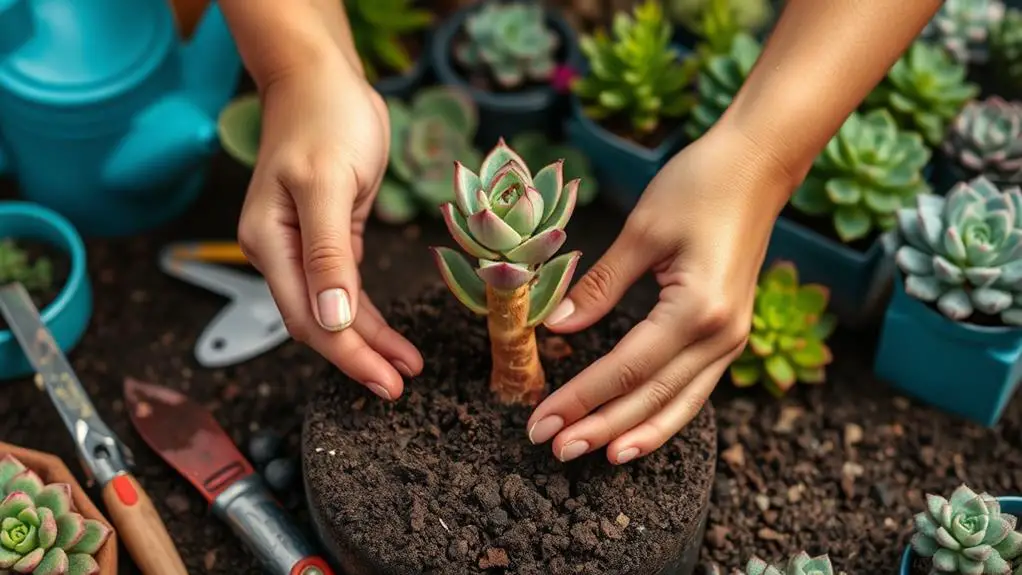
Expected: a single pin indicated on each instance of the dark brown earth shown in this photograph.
(446, 480)
(60, 263)
(824, 226)
(623, 128)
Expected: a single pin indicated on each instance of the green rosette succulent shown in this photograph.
(636, 75)
(867, 171)
(427, 137)
(15, 266)
(1006, 52)
(748, 15)
(925, 90)
(537, 150)
(377, 27)
(963, 26)
(986, 138)
(509, 42)
(789, 329)
(719, 80)
(800, 564)
(964, 251)
(40, 532)
(967, 534)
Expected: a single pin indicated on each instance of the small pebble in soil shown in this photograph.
(280, 473)
(264, 446)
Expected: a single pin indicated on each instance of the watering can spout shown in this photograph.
(211, 62)
(16, 25)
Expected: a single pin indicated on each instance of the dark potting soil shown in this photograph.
(60, 263)
(445, 481)
(824, 226)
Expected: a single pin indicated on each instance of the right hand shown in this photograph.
(323, 153)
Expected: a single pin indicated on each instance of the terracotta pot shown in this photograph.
(52, 470)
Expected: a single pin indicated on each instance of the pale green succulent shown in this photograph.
(513, 222)
(800, 564)
(866, 173)
(925, 90)
(1006, 53)
(427, 137)
(510, 42)
(967, 534)
(962, 27)
(964, 251)
(719, 80)
(16, 266)
(748, 15)
(537, 150)
(986, 138)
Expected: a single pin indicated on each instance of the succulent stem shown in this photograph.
(517, 376)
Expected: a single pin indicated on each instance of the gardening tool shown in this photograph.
(105, 458)
(188, 438)
(247, 327)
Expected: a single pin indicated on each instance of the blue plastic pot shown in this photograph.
(402, 87)
(538, 109)
(968, 370)
(1011, 504)
(69, 314)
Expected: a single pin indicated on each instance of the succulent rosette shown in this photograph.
(986, 138)
(40, 532)
(800, 564)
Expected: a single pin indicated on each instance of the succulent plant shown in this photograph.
(537, 150)
(239, 127)
(1006, 52)
(789, 329)
(636, 75)
(748, 15)
(964, 251)
(16, 266)
(40, 531)
(800, 564)
(962, 27)
(513, 222)
(718, 27)
(986, 138)
(925, 89)
(427, 137)
(377, 27)
(511, 42)
(967, 534)
(866, 173)
(719, 80)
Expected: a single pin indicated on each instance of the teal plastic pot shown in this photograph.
(1012, 505)
(68, 315)
(967, 370)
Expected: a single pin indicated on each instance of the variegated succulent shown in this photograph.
(1006, 53)
(962, 27)
(511, 42)
(40, 531)
(964, 251)
(800, 564)
(719, 80)
(427, 137)
(866, 173)
(986, 138)
(925, 89)
(967, 534)
(512, 221)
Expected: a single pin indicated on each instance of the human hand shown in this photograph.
(702, 227)
(322, 156)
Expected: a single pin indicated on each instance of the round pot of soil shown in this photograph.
(445, 480)
(43, 250)
(530, 106)
(51, 469)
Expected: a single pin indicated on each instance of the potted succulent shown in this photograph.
(799, 564)
(42, 250)
(832, 228)
(985, 139)
(750, 16)
(956, 311)
(445, 479)
(627, 108)
(967, 533)
(963, 26)
(506, 55)
(48, 525)
(1005, 63)
(391, 39)
(720, 77)
(787, 340)
(925, 89)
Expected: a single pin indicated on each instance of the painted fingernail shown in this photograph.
(561, 312)
(626, 455)
(545, 428)
(573, 449)
(403, 368)
(334, 309)
(379, 390)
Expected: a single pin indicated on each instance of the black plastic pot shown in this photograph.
(947, 172)
(507, 114)
(405, 85)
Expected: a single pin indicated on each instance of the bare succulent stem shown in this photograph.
(517, 376)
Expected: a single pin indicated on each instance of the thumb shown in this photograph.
(324, 206)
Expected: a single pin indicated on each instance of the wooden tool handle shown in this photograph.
(140, 527)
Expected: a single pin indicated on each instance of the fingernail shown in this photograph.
(561, 312)
(334, 309)
(573, 449)
(626, 455)
(379, 390)
(403, 368)
(545, 428)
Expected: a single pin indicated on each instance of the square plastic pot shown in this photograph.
(1011, 505)
(971, 371)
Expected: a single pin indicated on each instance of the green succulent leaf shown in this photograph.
(239, 127)
(552, 283)
(461, 279)
(379, 28)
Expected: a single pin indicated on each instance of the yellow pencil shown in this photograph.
(222, 252)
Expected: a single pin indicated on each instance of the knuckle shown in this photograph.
(715, 317)
(596, 284)
(248, 235)
(628, 375)
(325, 255)
(298, 330)
(657, 395)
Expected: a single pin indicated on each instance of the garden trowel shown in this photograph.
(248, 326)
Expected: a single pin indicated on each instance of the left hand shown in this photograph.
(702, 226)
